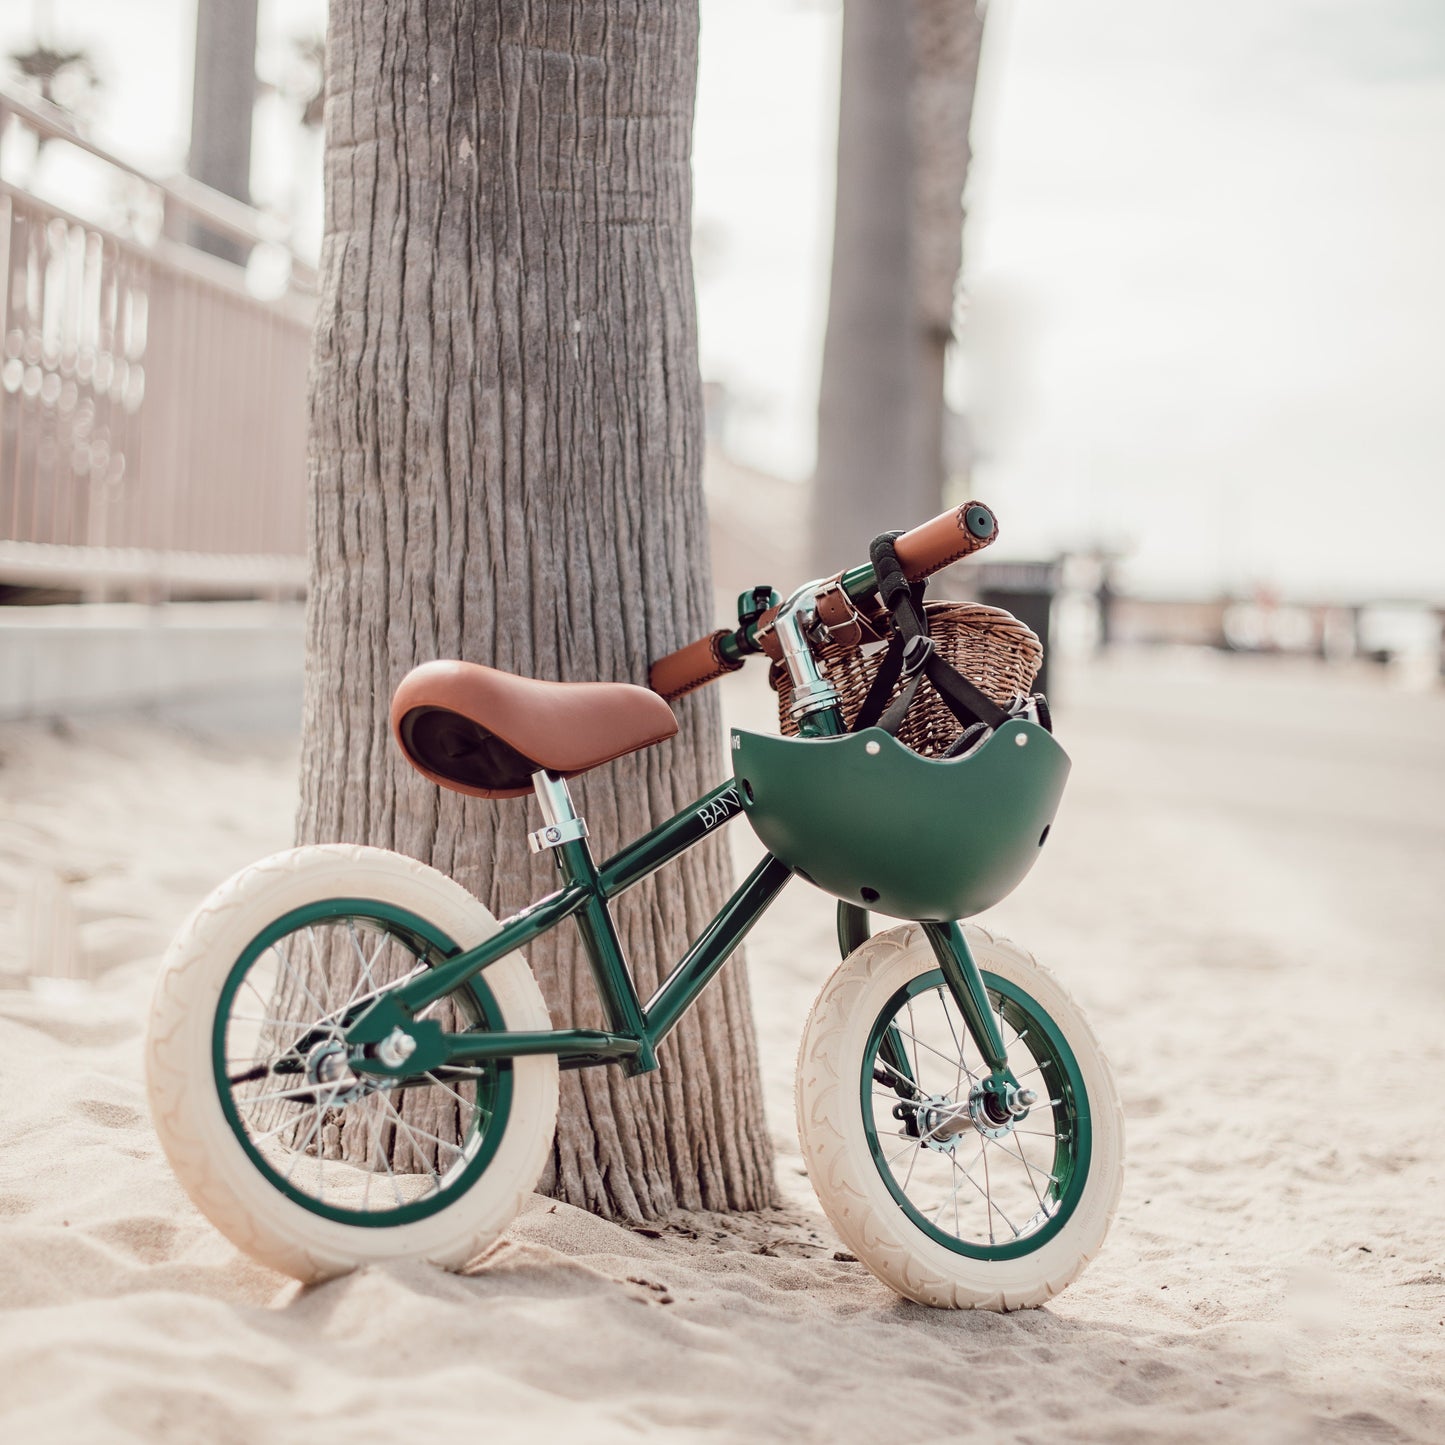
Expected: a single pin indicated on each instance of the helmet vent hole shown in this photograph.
(747, 788)
(868, 895)
(1044, 835)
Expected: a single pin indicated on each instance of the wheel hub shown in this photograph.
(327, 1067)
(941, 1119)
(996, 1109)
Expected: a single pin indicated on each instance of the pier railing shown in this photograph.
(152, 408)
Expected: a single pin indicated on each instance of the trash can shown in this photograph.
(1027, 589)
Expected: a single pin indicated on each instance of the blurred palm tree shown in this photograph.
(909, 73)
(222, 110)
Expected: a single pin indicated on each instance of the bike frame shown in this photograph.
(635, 1029)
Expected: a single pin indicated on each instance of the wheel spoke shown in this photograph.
(1032, 1168)
(879, 1059)
(894, 1099)
(290, 1123)
(323, 972)
(275, 1023)
(305, 1144)
(957, 1043)
(416, 1129)
(991, 1202)
(988, 1192)
(971, 1180)
(300, 982)
(411, 1138)
(302, 1092)
(911, 1163)
(373, 1123)
(911, 1144)
(449, 1090)
(920, 1044)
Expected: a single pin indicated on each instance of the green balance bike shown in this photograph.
(348, 1059)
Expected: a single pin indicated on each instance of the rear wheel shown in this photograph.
(943, 1195)
(308, 1166)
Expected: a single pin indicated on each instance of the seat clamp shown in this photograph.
(555, 834)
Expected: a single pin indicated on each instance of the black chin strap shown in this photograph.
(912, 656)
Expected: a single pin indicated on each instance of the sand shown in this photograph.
(1244, 891)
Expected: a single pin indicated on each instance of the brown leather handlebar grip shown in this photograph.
(946, 539)
(691, 667)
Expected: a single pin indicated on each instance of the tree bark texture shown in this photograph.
(506, 449)
(905, 101)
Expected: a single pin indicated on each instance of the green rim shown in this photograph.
(494, 1082)
(1038, 1051)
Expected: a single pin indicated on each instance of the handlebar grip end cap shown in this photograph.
(979, 521)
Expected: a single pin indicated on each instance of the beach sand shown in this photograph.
(1244, 890)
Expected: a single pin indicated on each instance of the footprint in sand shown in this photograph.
(148, 1238)
(113, 1116)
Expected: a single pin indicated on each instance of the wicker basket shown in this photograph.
(989, 646)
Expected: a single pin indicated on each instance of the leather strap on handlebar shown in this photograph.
(845, 623)
(836, 611)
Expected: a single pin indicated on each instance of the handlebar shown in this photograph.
(948, 538)
(926, 549)
(693, 666)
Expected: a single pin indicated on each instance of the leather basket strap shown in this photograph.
(845, 623)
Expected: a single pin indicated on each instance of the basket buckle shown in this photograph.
(916, 652)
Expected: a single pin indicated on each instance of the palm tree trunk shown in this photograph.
(506, 451)
(906, 97)
(947, 38)
(867, 477)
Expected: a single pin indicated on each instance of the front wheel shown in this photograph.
(943, 1201)
(308, 1166)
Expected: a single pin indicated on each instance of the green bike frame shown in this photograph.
(634, 1028)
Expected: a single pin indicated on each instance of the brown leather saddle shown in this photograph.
(480, 731)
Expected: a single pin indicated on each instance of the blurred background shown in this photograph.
(1189, 340)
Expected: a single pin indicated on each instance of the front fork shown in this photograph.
(965, 983)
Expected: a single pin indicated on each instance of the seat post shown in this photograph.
(561, 826)
(560, 823)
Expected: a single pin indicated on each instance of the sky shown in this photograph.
(1203, 262)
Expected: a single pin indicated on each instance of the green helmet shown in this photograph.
(871, 821)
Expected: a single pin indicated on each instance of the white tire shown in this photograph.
(223, 1179)
(904, 1244)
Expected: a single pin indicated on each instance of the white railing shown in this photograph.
(152, 409)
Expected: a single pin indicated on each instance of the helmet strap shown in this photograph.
(912, 656)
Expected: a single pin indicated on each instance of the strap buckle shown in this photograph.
(916, 652)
